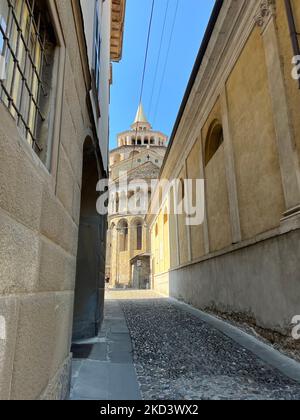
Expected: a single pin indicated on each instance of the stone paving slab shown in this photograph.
(106, 382)
(103, 367)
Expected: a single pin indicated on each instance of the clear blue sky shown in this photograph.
(191, 22)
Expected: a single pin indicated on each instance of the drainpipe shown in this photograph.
(293, 31)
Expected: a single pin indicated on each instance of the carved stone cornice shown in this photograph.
(267, 10)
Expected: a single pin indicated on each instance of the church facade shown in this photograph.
(137, 160)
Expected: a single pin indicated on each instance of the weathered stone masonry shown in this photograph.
(39, 222)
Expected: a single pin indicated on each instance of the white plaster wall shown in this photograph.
(88, 7)
(102, 124)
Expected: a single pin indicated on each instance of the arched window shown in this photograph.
(152, 141)
(134, 153)
(146, 141)
(133, 142)
(123, 236)
(214, 141)
(139, 142)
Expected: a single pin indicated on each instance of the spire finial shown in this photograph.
(140, 115)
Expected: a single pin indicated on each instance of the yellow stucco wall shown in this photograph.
(182, 229)
(286, 51)
(260, 195)
(193, 172)
(156, 235)
(166, 240)
(160, 242)
(172, 232)
(217, 201)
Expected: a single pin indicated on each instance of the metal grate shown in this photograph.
(23, 48)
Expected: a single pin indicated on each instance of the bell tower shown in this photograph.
(141, 133)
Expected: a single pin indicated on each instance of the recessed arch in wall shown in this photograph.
(214, 140)
(134, 153)
(137, 228)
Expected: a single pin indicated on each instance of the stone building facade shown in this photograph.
(238, 129)
(50, 161)
(137, 158)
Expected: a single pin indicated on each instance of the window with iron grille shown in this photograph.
(27, 46)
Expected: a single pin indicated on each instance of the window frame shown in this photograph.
(52, 134)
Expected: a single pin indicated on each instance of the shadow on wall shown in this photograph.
(90, 272)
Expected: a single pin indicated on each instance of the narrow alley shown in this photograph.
(154, 348)
(149, 202)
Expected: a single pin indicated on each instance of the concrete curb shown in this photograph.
(272, 357)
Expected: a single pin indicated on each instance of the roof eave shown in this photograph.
(117, 29)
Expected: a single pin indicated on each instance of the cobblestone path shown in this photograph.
(177, 356)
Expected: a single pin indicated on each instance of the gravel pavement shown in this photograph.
(178, 357)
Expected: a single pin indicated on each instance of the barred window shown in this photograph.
(27, 46)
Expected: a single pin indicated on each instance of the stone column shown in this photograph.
(289, 163)
(230, 172)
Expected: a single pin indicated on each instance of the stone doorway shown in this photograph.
(90, 271)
